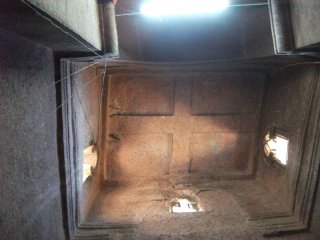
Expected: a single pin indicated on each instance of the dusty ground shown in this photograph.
(226, 206)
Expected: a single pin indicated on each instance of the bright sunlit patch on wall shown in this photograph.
(161, 8)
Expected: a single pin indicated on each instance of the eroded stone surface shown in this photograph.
(226, 208)
(179, 123)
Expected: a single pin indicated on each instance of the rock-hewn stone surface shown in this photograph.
(225, 208)
(182, 123)
(30, 199)
(305, 20)
(80, 16)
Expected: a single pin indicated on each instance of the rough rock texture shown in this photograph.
(17, 17)
(225, 209)
(316, 215)
(286, 106)
(305, 21)
(86, 105)
(80, 16)
(138, 120)
(182, 123)
(30, 199)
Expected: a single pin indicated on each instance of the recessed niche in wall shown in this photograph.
(276, 147)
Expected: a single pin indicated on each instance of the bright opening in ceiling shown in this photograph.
(161, 8)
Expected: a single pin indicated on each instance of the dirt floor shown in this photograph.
(226, 209)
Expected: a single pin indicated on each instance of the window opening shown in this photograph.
(276, 147)
(89, 162)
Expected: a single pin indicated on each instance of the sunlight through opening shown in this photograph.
(182, 7)
(277, 147)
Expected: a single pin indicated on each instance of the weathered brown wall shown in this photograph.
(286, 108)
(204, 124)
(30, 198)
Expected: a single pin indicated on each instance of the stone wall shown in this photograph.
(182, 123)
(286, 105)
(292, 106)
(30, 202)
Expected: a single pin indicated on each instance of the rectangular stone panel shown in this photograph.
(222, 93)
(141, 95)
(229, 123)
(141, 124)
(220, 152)
(136, 155)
